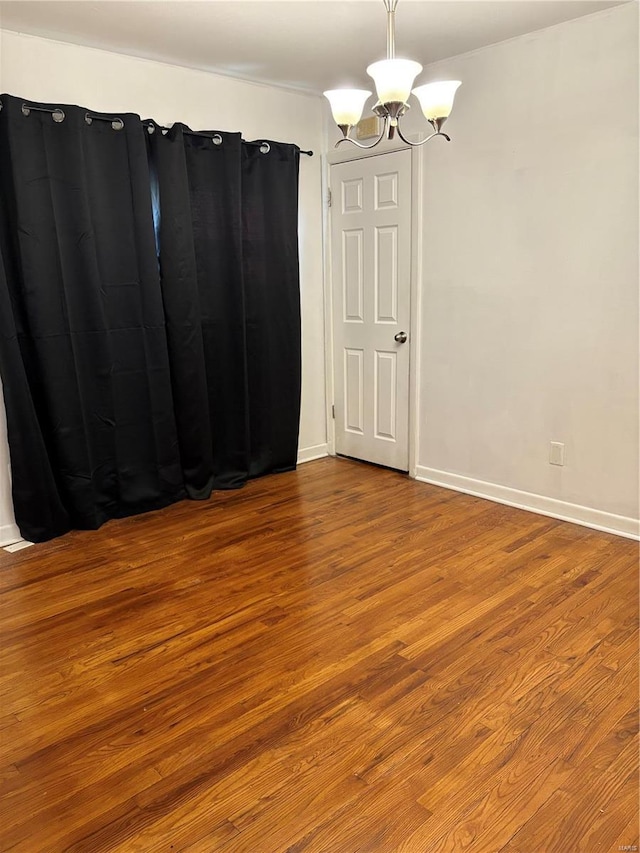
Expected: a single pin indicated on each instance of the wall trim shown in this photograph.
(586, 516)
(416, 290)
(329, 395)
(9, 534)
(308, 454)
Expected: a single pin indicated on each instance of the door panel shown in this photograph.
(354, 390)
(385, 396)
(386, 274)
(353, 275)
(370, 262)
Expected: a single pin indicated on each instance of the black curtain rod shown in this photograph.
(117, 124)
(151, 126)
(216, 138)
(58, 114)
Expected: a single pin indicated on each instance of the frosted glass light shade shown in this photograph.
(436, 99)
(347, 104)
(394, 78)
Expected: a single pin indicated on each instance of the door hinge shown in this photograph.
(329, 198)
(333, 412)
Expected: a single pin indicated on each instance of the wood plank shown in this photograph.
(333, 659)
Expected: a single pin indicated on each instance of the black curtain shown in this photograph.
(139, 370)
(270, 255)
(200, 238)
(229, 262)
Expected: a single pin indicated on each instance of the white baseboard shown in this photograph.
(308, 454)
(586, 516)
(18, 546)
(9, 534)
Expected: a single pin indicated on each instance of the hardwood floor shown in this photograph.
(329, 661)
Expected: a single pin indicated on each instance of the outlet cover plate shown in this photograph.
(556, 453)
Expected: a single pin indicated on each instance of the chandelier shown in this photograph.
(393, 79)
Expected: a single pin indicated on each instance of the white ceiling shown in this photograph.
(302, 44)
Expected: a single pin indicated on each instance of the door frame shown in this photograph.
(415, 285)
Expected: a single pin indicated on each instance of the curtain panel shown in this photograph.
(149, 313)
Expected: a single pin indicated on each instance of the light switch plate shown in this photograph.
(368, 127)
(556, 453)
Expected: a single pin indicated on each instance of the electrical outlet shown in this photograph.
(556, 453)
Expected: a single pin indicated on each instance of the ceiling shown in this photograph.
(309, 45)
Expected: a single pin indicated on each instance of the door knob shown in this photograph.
(401, 337)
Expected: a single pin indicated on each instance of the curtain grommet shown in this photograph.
(265, 148)
(216, 139)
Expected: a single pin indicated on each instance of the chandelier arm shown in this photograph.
(416, 144)
(360, 145)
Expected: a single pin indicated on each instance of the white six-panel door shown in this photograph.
(370, 274)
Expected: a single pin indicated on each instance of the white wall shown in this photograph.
(44, 70)
(529, 319)
(530, 299)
